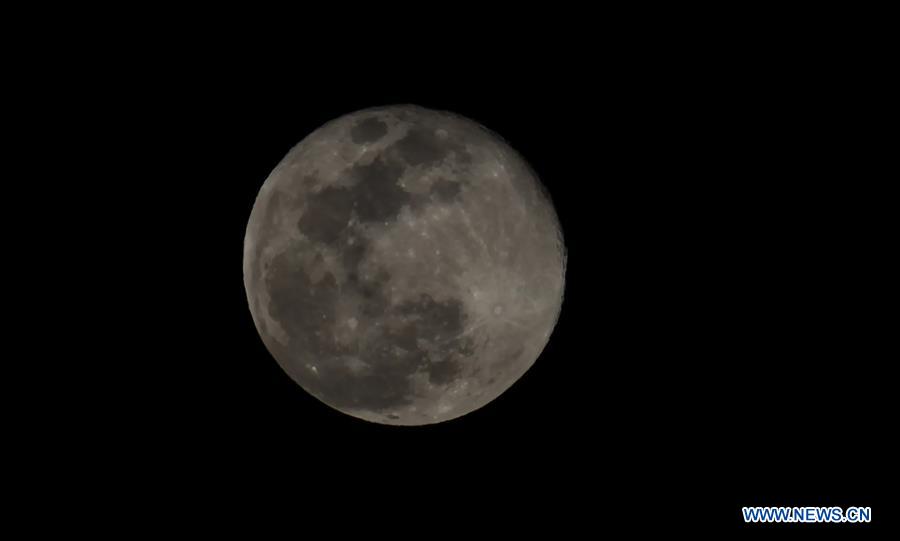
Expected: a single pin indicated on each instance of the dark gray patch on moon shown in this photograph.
(415, 332)
(308, 309)
(300, 306)
(445, 190)
(368, 130)
(352, 256)
(421, 146)
(327, 214)
(377, 194)
(413, 322)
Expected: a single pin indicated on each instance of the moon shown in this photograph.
(404, 265)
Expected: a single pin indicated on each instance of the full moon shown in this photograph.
(403, 265)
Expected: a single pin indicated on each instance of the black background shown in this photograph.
(722, 341)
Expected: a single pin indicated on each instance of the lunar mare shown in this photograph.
(404, 265)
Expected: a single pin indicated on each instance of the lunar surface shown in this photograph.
(404, 265)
